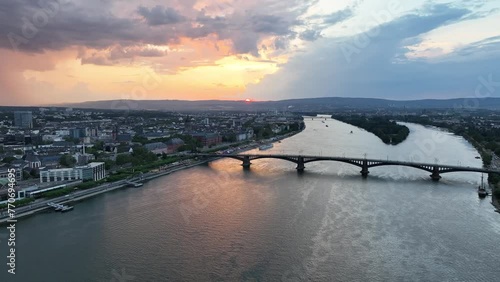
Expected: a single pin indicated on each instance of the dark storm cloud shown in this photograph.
(27, 26)
(159, 15)
(36, 26)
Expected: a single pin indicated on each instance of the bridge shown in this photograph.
(365, 164)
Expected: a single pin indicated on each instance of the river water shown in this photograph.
(220, 223)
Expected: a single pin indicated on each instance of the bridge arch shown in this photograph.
(358, 164)
(251, 158)
(430, 169)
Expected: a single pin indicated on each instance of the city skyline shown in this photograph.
(74, 51)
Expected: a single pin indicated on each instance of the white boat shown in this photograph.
(265, 147)
(65, 209)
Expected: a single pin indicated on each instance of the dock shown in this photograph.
(59, 207)
(134, 184)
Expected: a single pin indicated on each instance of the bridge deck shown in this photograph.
(372, 162)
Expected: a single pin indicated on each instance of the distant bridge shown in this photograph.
(435, 169)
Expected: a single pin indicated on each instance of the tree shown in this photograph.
(18, 152)
(2, 150)
(123, 159)
(99, 146)
(8, 160)
(67, 161)
(140, 139)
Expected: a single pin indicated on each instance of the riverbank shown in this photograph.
(78, 196)
(488, 157)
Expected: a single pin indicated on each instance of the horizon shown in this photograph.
(252, 101)
(266, 50)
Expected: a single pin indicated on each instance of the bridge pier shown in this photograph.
(364, 169)
(246, 162)
(300, 164)
(435, 174)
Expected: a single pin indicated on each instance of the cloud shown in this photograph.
(338, 16)
(375, 64)
(38, 26)
(310, 35)
(58, 25)
(159, 15)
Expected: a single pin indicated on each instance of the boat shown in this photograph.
(265, 147)
(481, 190)
(66, 208)
(351, 131)
(327, 125)
(478, 157)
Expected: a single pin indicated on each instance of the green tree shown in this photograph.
(140, 139)
(123, 159)
(67, 161)
(8, 160)
(99, 146)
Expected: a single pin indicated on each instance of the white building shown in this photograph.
(92, 171)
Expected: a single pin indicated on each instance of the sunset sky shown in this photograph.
(58, 51)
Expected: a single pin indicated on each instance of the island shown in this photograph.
(384, 128)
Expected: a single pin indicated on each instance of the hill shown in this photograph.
(303, 105)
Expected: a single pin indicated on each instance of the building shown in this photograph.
(208, 139)
(157, 148)
(4, 173)
(77, 133)
(242, 136)
(125, 137)
(83, 159)
(90, 172)
(23, 119)
(33, 161)
(94, 171)
(174, 144)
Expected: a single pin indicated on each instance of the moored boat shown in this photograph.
(265, 147)
(67, 208)
(481, 190)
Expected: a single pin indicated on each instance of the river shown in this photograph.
(218, 222)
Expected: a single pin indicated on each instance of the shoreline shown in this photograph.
(494, 202)
(32, 209)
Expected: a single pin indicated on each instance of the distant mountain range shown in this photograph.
(303, 105)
